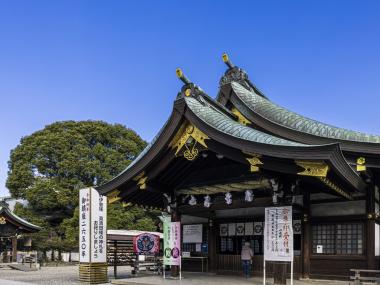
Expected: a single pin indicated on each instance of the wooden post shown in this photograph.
(115, 259)
(370, 226)
(175, 217)
(212, 258)
(306, 236)
(14, 249)
(280, 268)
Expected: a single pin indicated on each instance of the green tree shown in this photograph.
(118, 217)
(49, 167)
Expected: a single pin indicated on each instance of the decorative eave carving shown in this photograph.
(113, 196)
(141, 180)
(255, 161)
(242, 120)
(189, 141)
(3, 221)
(360, 164)
(335, 187)
(313, 168)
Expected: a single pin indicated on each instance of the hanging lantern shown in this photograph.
(228, 198)
(192, 201)
(249, 196)
(207, 202)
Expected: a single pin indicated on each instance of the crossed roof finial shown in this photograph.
(227, 60)
(181, 76)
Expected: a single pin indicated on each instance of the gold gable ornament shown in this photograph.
(191, 139)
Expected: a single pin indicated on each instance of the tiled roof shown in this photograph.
(10, 214)
(292, 120)
(214, 118)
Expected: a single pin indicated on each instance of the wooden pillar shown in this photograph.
(212, 257)
(14, 249)
(280, 268)
(306, 235)
(175, 217)
(115, 259)
(370, 227)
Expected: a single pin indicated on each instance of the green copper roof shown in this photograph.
(289, 119)
(5, 210)
(216, 119)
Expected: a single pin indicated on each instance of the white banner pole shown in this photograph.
(291, 272)
(264, 272)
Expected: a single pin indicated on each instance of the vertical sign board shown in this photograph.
(92, 232)
(278, 236)
(84, 225)
(172, 243)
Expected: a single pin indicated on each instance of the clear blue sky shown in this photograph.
(115, 60)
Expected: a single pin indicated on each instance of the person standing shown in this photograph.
(246, 259)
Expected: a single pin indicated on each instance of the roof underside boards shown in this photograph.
(282, 122)
(16, 220)
(221, 128)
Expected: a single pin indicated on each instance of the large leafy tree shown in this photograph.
(49, 167)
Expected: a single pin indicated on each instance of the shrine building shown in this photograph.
(14, 234)
(219, 162)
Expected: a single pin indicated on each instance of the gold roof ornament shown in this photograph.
(181, 76)
(242, 120)
(141, 180)
(227, 61)
(255, 162)
(113, 196)
(188, 137)
(313, 168)
(142, 183)
(3, 221)
(360, 164)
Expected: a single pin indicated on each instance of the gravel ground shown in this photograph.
(68, 275)
(62, 275)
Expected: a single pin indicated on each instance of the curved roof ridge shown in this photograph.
(216, 119)
(17, 218)
(295, 121)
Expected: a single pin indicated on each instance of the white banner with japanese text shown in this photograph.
(93, 226)
(278, 234)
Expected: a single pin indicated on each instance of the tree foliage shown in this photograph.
(49, 167)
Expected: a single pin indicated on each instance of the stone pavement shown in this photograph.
(199, 278)
(68, 275)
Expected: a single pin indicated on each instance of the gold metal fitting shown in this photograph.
(179, 72)
(225, 57)
(360, 164)
(187, 92)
